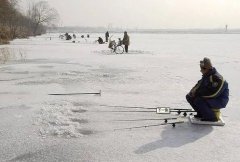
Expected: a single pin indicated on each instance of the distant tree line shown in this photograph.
(14, 24)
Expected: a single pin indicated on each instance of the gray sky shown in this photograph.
(149, 13)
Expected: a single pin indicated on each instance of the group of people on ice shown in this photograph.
(67, 36)
(125, 41)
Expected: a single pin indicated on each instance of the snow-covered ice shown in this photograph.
(159, 70)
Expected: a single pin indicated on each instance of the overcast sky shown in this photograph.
(148, 13)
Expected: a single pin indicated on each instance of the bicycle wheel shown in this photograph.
(119, 50)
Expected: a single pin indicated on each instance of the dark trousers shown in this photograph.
(201, 106)
(106, 39)
(126, 48)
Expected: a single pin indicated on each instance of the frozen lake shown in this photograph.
(159, 70)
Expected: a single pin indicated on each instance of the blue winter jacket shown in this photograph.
(214, 89)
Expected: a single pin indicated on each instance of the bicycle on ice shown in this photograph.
(116, 47)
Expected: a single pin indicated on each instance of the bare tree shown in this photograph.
(42, 14)
(7, 13)
(13, 24)
(5, 9)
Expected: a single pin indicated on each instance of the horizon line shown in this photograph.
(136, 28)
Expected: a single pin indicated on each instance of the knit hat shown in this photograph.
(206, 63)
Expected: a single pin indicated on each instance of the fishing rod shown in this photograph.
(166, 110)
(158, 110)
(142, 107)
(123, 111)
(133, 107)
(82, 93)
(165, 119)
(153, 125)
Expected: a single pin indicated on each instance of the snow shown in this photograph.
(159, 70)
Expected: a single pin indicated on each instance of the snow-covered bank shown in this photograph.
(158, 71)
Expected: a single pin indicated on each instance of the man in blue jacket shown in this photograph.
(210, 94)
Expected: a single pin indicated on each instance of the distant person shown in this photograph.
(88, 36)
(112, 44)
(210, 94)
(100, 40)
(126, 41)
(119, 42)
(68, 37)
(107, 36)
(82, 36)
(66, 34)
(74, 36)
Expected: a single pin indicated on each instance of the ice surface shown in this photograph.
(159, 71)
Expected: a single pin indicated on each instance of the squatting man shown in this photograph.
(210, 94)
